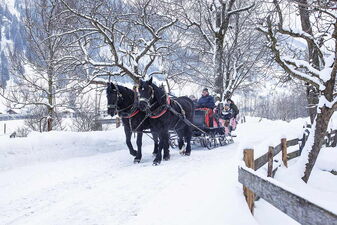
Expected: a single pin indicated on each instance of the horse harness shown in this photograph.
(157, 113)
(121, 112)
(161, 110)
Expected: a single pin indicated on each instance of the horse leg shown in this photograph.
(157, 159)
(166, 146)
(139, 145)
(181, 142)
(188, 136)
(156, 143)
(128, 135)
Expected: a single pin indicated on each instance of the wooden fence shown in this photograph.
(293, 205)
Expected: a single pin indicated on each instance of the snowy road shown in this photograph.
(107, 188)
(61, 178)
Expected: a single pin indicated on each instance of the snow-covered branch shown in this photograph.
(297, 63)
(296, 33)
(132, 38)
(241, 9)
(289, 65)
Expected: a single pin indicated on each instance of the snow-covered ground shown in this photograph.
(89, 178)
(9, 126)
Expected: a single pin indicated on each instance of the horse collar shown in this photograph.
(131, 114)
(164, 110)
(133, 110)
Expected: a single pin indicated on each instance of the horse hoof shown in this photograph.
(182, 152)
(187, 153)
(167, 158)
(156, 163)
(135, 161)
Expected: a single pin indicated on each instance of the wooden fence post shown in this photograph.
(270, 161)
(5, 128)
(248, 157)
(284, 151)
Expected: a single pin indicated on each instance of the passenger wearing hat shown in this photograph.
(206, 100)
(233, 107)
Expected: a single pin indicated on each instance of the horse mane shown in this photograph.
(159, 94)
(126, 92)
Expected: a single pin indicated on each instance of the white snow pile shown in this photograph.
(259, 133)
(56, 145)
(62, 178)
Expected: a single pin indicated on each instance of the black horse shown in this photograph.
(123, 101)
(166, 114)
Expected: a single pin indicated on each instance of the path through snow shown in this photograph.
(107, 188)
(63, 178)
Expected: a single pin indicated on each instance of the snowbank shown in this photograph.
(56, 145)
(327, 159)
(89, 178)
(259, 134)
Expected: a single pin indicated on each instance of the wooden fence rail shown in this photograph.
(330, 141)
(262, 160)
(295, 206)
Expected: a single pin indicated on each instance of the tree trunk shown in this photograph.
(312, 92)
(321, 125)
(218, 64)
(312, 98)
(323, 118)
(50, 116)
(50, 99)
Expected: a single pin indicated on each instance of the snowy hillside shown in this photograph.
(89, 178)
(10, 35)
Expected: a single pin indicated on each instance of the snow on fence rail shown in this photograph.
(283, 198)
(293, 205)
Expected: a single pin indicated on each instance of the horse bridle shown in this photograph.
(148, 100)
(150, 113)
(114, 106)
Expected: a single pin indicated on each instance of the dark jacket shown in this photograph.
(227, 115)
(206, 102)
(235, 109)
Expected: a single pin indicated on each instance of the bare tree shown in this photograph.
(46, 75)
(216, 32)
(85, 118)
(122, 38)
(285, 103)
(322, 77)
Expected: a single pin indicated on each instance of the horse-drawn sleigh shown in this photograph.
(171, 120)
(206, 133)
